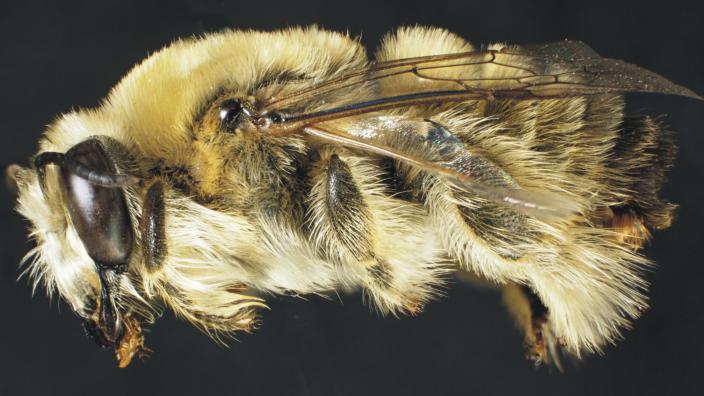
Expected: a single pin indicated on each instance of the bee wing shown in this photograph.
(431, 147)
(561, 69)
(533, 72)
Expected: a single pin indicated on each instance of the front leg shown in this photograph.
(375, 240)
(190, 286)
(152, 227)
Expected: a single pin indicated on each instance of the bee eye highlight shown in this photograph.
(230, 112)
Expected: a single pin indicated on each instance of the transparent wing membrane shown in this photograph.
(433, 148)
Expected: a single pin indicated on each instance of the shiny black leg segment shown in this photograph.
(152, 227)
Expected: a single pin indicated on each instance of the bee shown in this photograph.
(242, 164)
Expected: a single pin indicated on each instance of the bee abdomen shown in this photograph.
(644, 152)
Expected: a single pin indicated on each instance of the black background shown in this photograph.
(56, 56)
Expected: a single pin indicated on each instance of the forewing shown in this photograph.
(561, 69)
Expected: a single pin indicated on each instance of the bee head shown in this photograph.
(83, 232)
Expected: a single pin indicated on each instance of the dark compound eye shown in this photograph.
(230, 111)
(99, 214)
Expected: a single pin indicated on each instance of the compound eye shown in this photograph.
(99, 214)
(230, 112)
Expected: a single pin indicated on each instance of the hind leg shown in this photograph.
(532, 317)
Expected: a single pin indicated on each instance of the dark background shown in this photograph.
(57, 56)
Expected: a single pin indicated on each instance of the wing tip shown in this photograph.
(678, 90)
(688, 93)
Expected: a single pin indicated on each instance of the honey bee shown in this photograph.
(245, 163)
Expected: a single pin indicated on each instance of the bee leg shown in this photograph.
(532, 317)
(341, 215)
(361, 230)
(152, 227)
(389, 293)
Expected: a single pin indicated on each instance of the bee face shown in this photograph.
(95, 212)
(247, 163)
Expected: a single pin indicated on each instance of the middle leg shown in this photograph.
(375, 240)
